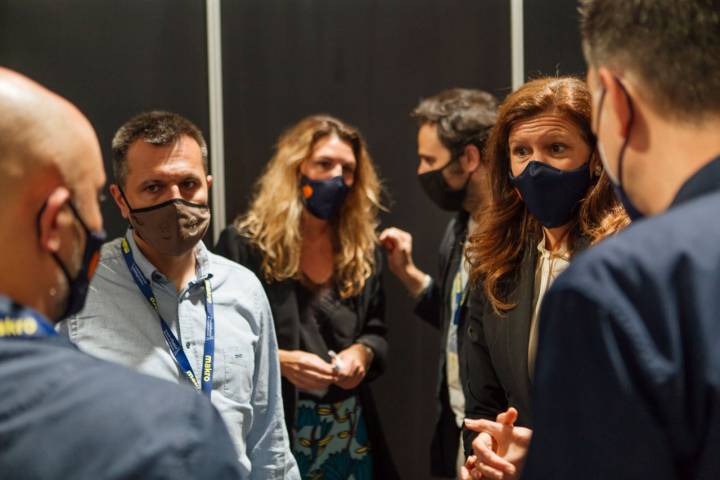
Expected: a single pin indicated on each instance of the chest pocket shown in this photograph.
(236, 372)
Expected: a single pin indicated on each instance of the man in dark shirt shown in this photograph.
(628, 367)
(64, 414)
(452, 128)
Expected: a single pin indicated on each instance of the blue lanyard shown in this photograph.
(173, 343)
(460, 295)
(24, 323)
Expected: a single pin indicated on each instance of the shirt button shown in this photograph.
(187, 344)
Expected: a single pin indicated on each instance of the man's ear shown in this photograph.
(209, 181)
(120, 200)
(52, 218)
(617, 101)
(470, 159)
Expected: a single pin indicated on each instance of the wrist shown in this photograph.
(367, 352)
(415, 281)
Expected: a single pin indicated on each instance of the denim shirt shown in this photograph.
(118, 324)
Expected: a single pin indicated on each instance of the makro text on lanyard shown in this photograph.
(205, 386)
(24, 323)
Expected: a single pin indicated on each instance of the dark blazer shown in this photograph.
(433, 306)
(628, 376)
(370, 306)
(101, 420)
(495, 357)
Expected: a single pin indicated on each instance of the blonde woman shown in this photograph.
(310, 236)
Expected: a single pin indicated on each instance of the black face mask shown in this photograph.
(436, 187)
(552, 195)
(78, 286)
(324, 198)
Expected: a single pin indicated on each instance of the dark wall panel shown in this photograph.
(112, 59)
(367, 62)
(552, 38)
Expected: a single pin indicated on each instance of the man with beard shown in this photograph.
(453, 127)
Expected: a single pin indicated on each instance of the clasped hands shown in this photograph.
(308, 371)
(499, 450)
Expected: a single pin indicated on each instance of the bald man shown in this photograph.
(64, 414)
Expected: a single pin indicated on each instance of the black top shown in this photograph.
(433, 306)
(325, 324)
(66, 415)
(628, 370)
(371, 330)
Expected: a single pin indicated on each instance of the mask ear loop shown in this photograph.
(631, 118)
(125, 198)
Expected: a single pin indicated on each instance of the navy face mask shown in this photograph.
(323, 198)
(437, 188)
(78, 286)
(620, 193)
(552, 195)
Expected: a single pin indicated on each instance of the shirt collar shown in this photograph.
(562, 252)
(704, 181)
(202, 258)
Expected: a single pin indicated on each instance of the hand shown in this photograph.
(467, 468)
(500, 448)
(306, 370)
(398, 245)
(354, 362)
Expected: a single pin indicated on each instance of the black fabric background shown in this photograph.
(366, 61)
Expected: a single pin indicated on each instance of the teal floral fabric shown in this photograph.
(330, 441)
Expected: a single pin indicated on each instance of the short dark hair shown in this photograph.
(672, 45)
(156, 128)
(463, 117)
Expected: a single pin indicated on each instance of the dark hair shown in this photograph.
(507, 230)
(462, 116)
(672, 45)
(156, 128)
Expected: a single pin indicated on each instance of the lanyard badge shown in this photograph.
(205, 383)
(24, 323)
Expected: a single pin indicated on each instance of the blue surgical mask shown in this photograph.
(323, 198)
(620, 193)
(552, 195)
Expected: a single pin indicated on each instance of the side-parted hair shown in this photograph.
(273, 221)
(463, 117)
(673, 46)
(156, 128)
(506, 230)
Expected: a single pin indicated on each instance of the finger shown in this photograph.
(486, 456)
(479, 424)
(465, 474)
(493, 428)
(319, 366)
(508, 417)
(389, 244)
(488, 472)
(309, 375)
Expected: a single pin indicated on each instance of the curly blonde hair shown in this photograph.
(273, 221)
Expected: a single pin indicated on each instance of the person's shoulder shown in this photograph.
(130, 411)
(649, 250)
(227, 270)
(110, 250)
